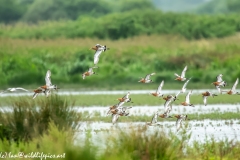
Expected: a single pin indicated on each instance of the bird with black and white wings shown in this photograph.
(154, 120)
(147, 78)
(99, 49)
(182, 77)
(233, 90)
(206, 95)
(187, 100)
(219, 83)
(180, 119)
(159, 90)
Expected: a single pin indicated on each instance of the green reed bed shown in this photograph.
(118, 67)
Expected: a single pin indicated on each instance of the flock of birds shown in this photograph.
(118, 110)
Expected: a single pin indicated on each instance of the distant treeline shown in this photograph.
(129, 24)
(41, 10)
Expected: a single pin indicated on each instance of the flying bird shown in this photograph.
(14, 89)
(180, 119)
(147, 78)
(205, 95)
(182, 77)
(158, 91)
(89, 72)
(233, 90)
(187, 100)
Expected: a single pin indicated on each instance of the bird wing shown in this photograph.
(22, 89)
(178, 123)
(160, 87)
(97, 55)
(177, 95)
(205, 100)
(219, 78)
(115, 118)
(185, 84)
(154, 118)
(90, 70)
(188, 97)
(183, 72)
(166, 105)
(148, 76)
(35, 95)
(219, 89)
(176, 74)
(48, 78)
(126, 96)
(235, 85)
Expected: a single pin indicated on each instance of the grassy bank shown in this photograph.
(137, 99)
(25, 62)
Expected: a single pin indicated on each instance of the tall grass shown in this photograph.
(31, 118)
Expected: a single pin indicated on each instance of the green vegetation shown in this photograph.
(122, 66)
(30, 119)
(137, 99)
(51, 129)
(128, 24)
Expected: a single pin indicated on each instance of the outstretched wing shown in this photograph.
(115, 118)
(176, 74)
(205, 100)
(235, 85)
(48, 78)
(178, 123)
(183, 72)
(126, 96)
(219, 78)
(22, 89)
(97, 55)
(185, 84)
(35, 95)
(160, 87)
(148, 76)
(188, 97)
(154, 118)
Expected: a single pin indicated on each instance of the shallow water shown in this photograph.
(200, 130)
(67, 92)
(176, 109)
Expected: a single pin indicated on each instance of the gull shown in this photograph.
(233, 90)
(147, 78)
(99, 49)
(180, 119)
(182, 77)
(89, 72)
(187, 100)
(14, 89)
(206, 95)
(158, 91)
